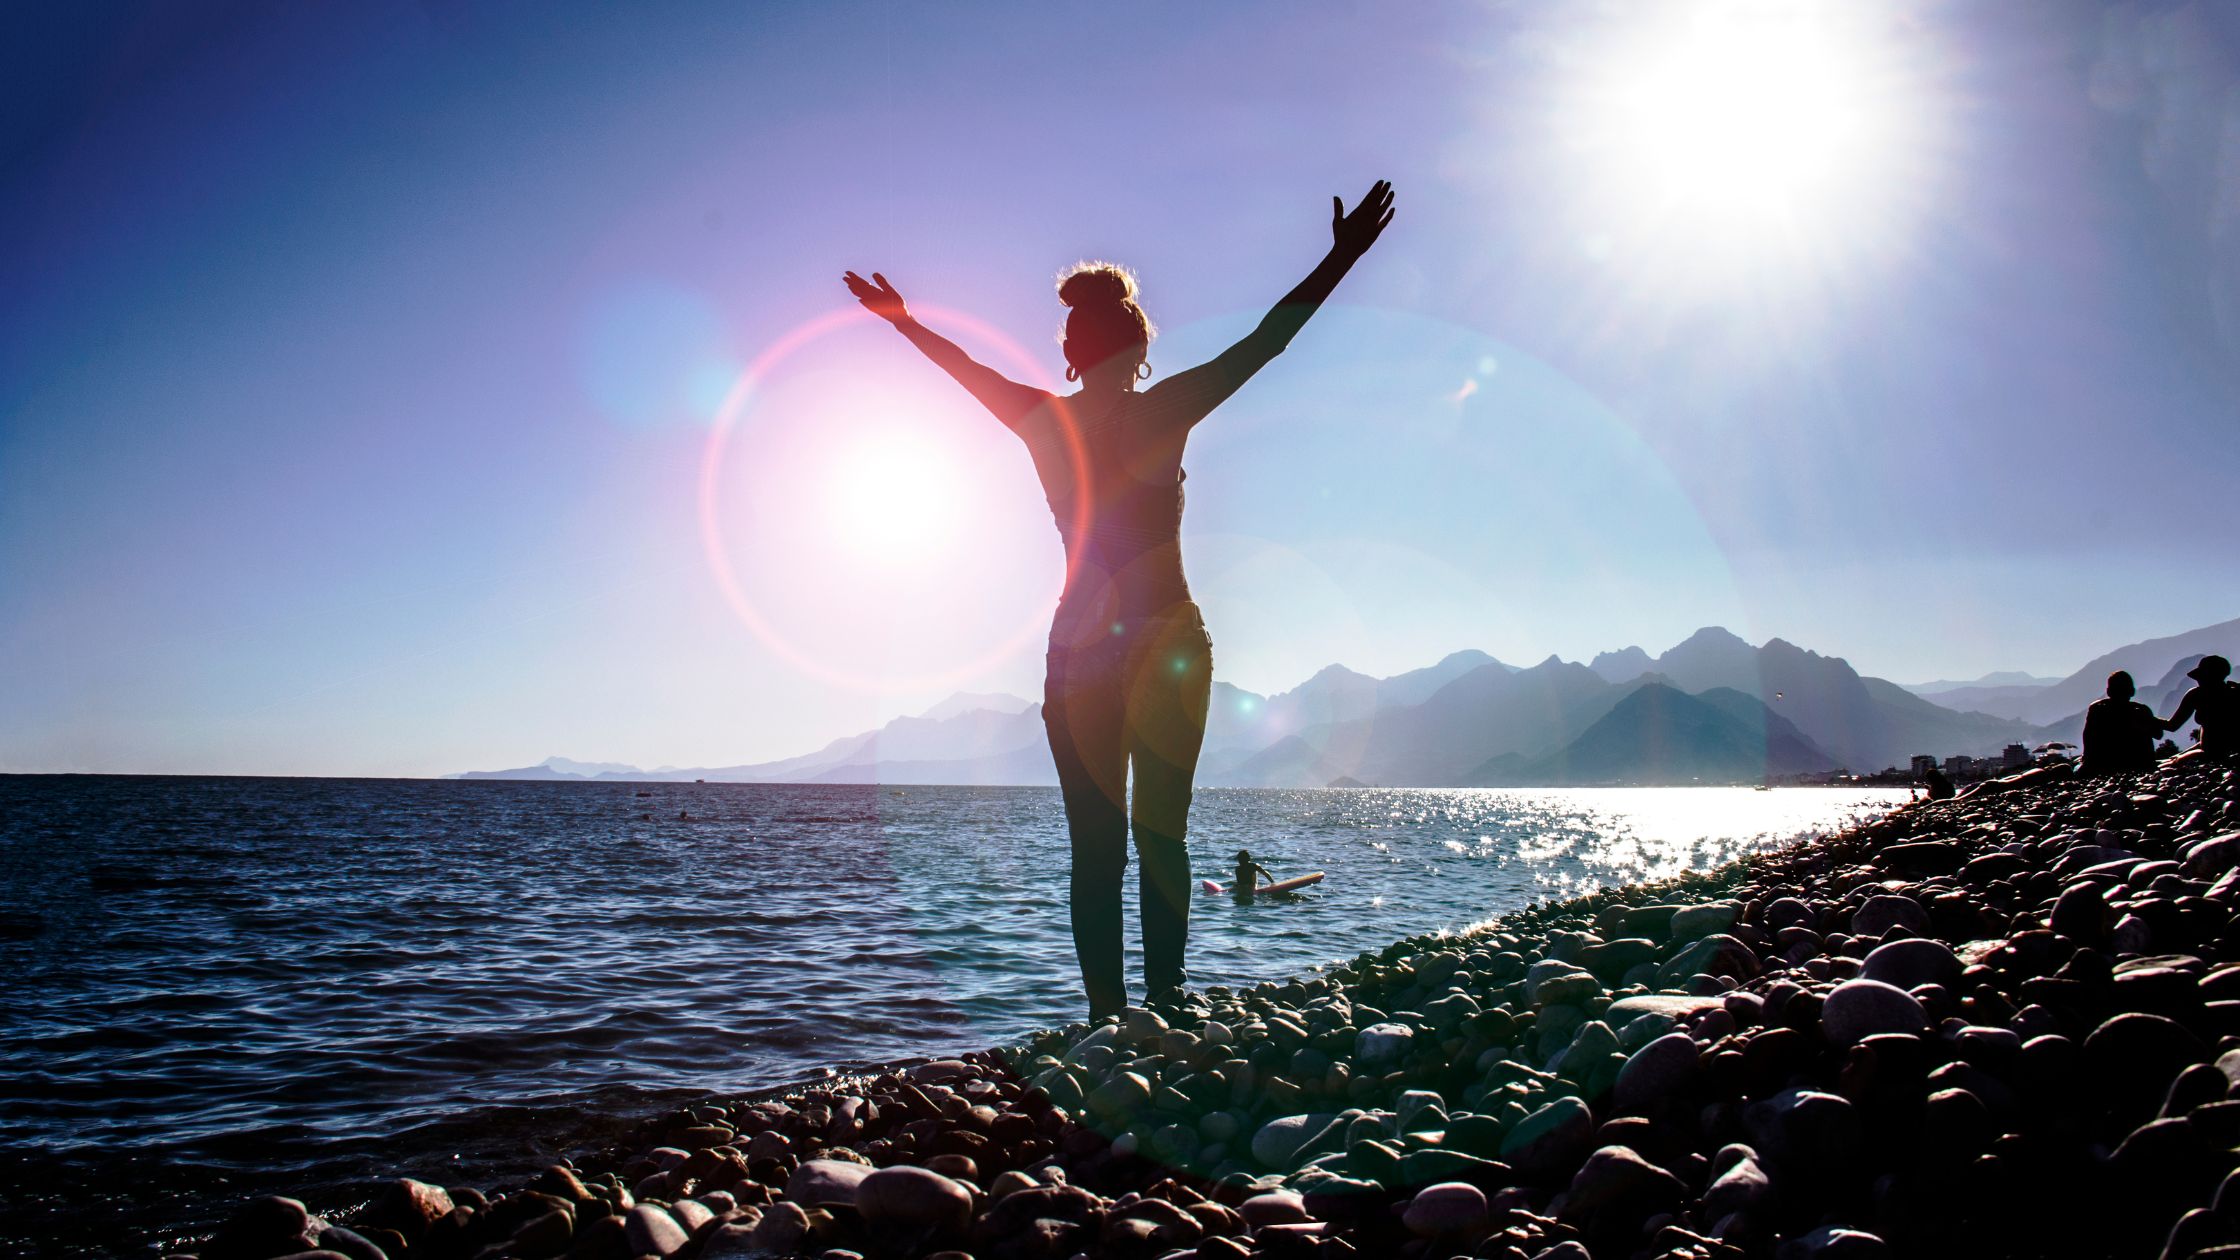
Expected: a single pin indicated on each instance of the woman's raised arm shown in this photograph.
(1010, 401)
(1202, 388)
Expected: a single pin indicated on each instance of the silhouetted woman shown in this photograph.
(1130, 665)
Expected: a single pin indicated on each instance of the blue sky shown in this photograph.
(358, 363)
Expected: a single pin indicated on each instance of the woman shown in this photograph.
(2215, 704)
(1130, 665)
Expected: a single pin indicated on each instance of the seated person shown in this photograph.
(2119, 732)
(2214, 703)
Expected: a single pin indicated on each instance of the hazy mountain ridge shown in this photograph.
(2150, 659)
(1713, 708)
(1658, 735)
(1996, 678)
(2010, 702)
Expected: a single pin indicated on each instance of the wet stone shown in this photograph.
(1449, 1208)
(826, 1181)
(917, 1198)
(1862, 1008)
(1878, 914)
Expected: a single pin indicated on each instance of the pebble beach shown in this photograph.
(2003, 1025)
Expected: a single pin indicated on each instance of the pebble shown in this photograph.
(1858, 1009)
(1878, 914)
(1655, 1072)
(1280, 1139)
(1913, 962)
(826, 1181)
(652, 1231)
(1922, 1032)
(1616, 1182)
(1383, 1043)
(1447, 1209)
(1690, 922)
(1550, 1137)
(917, 1198)
(1276, 1207)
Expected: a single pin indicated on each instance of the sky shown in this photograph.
(404, 389)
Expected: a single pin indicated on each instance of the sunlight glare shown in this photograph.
(1751, 123)
(891, 498)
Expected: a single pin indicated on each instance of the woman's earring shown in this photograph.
(1072, 373)
(1143, 370)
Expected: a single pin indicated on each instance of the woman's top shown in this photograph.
(1123, 452)
(1111, 470)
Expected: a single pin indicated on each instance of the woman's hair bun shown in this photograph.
(1105, 320)
(1097, 284)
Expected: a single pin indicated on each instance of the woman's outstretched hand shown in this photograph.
(1354, 233)
(879, 297)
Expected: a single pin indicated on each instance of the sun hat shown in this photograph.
(2213, 668)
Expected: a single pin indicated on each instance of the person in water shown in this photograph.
(1130, 663)
(2119, 732)
(2214, 702)
(1248, 874)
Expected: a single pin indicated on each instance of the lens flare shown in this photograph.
(887, 498)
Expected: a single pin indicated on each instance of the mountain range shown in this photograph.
(1712, 709)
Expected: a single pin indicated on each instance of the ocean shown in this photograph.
(226, 986)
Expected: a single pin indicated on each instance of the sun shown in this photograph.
(890, 497)
(1751, 122)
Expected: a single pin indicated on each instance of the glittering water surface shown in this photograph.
(256, 966)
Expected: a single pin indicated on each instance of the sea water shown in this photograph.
(239, 982)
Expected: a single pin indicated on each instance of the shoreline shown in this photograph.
(1695, 1067)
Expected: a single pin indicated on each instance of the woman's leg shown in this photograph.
(1083, 716)
(1171, 686)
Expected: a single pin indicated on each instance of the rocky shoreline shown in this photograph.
(2005, 1025)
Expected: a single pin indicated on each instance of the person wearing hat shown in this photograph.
(2119, 732)
(2214, 703)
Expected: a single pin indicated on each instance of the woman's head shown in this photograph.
(1105, 328)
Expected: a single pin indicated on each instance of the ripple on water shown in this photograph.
(227, 965)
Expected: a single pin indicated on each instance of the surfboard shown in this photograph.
(1289, 885)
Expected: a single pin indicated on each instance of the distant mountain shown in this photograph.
(1623, 665)
(1240, 723)
(2150, 659)
(542, 770)
(2165, 694)
(967, 701)
(2011, 702)
(1418, 685)
(1658, 734)
(1480, 714)
(1026, 766)
(587, 769)
(973, 736)
(1864, 723)
(2000, 678)
(1701, 711)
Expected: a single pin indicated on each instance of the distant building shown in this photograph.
(1923, 763)
(2016, 757)
(1959, 767)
